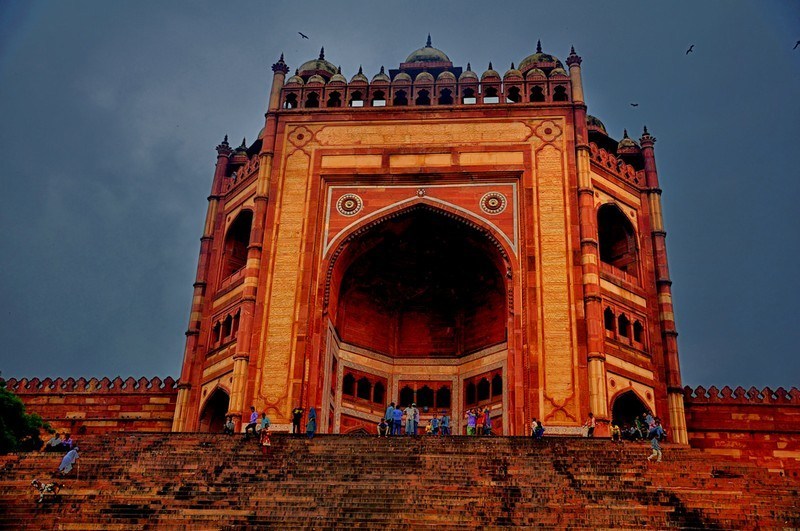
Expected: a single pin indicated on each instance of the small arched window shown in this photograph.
(364, 389)
(490, 92)
(406, 396)
(357, 99)
(379, 393)
(497, 385)
(400, 98)
(446, 97)
(236, 241)
(617, 239)
(470, 393)
(469, 97)
(215, 338)
(312, 100)
(349, 384)
(425, 396)
(483, 389)
(235, 328)
(537, 94)
(335, 99)
(514, 95)
(443, 397)
(608, 319)
(227, 327)
(379, 98)
(560, 93)
(637, 331)
(423, 98)
(291, 101)
(623, 325)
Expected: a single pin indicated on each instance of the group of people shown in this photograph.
(258, 427)
(392, 422)
(59, 443)
(644, 427)
(477, 420)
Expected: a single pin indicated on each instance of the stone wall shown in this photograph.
(99, 406)
(757, 425)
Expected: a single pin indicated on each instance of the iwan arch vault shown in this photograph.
(435, 236)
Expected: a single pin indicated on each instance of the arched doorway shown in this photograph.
(416, 300)
(212, 417)
(627, 407)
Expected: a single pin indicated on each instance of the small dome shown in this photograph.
(539, 59)
(402, 76)
(427, 54)
(381, 76)
(318, 64)
(316, 78)
(595, 124)
(535, 72)
(446, 76)
(424, 77)
(512, 72)
(359, 77)
(627, 145)
(295, 79)
(468, 74)
(338, 77)
(558, 72)
(490, 73)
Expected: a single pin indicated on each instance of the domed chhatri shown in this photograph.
(595, 124)
(428, 54)
(541, 60)
(512, 72)
(359, 77)
(381, 76)
(338, 77)
(627, 144)
(468, 74)
(318, 66)
(490, 73)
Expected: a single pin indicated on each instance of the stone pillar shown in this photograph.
(192, 361)
(590, 256)
(666, 315)
(241, 365)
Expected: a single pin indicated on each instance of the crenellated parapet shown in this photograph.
(92, 385)
(615, 165)
(726, 395)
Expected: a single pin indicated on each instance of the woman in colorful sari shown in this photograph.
(311, 425)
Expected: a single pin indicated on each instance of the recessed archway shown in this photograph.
(212, 417)
(421, 284)
(627, 406)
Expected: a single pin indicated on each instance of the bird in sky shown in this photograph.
(303, 34)
(690, 50)
(796, 45)
(634, 104)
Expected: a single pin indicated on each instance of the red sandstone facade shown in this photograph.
(438, 237)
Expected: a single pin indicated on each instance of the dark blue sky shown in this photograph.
(110, 111)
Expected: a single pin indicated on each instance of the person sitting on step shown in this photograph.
(383, 428)
(538, 430)
(229, 427)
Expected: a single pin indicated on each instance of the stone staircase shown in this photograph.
(202, 481)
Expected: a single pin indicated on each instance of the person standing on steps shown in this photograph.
(311, 424)
(444, 424)
(416, 418)
(487, 422)
(263, 438)
(409, 412)
(397, 421)
(297, 418)
(472, 421)
(655, 435)
(590, 423)
(251, 426)
(389, 416)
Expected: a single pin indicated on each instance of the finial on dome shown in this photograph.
(572, 50)
(645, 130)
(360, 71)
(297, 71)
(469, 67)
(281, 58)
(322, 53)
(224, 149)
(244, 143)
(490, 66)
(512, 65)
(624, 133)
(225, 140)
(339, 70)
(382, 72)
(428, 43)
(539, 46)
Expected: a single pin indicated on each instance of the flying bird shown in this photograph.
(690, 50)
(303, 34)
(796, 45)
(634, 104)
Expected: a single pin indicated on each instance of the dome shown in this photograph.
(539, 59)
(359, 77)
(627, 145)
(427, 54)
(318, 64)
(595, 124)
(295, 79)
(338, 77)
(512, 72)
(490, 73)
(402, 76)
(381, 76)
(558, 72)
(446, 76)
(535, 72)
(468, 74)
(316, 78)
(424, 77)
